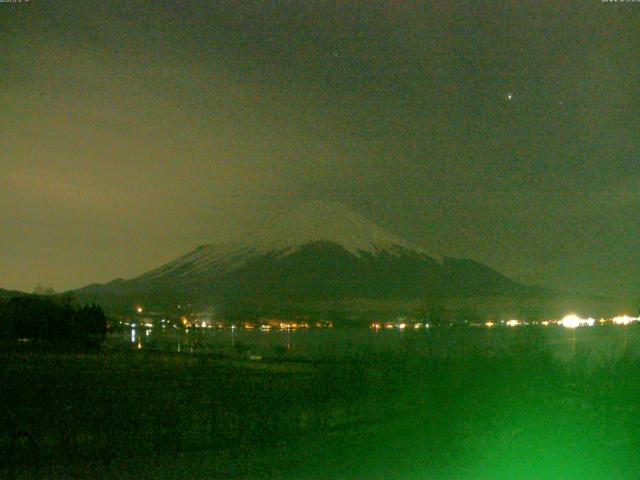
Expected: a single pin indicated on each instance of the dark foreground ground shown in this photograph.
(148, 415)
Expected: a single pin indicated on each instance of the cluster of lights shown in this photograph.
(574, 321)
(293, 326)
(570, 321)
(400, 326)
(624, 320)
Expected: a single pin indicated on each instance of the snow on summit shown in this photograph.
(284, 234)
(332, 222)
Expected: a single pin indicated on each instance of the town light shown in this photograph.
(623, 320)
(574, 321)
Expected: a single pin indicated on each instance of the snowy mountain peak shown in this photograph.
(285, 234)
(331, 222)
(312, 253)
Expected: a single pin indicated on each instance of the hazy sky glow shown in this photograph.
(508, 132)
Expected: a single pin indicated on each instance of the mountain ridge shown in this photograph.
(315, 251)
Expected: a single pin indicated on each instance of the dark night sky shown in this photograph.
(508, 132)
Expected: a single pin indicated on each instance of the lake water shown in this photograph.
(598, 343)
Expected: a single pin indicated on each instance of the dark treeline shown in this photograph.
(52, 319)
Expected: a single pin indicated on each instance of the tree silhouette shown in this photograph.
(54, 319)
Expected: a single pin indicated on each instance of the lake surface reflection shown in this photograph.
(599, 343)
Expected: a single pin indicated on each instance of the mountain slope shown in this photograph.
(314, 252)
(285, 235)
(7, 294)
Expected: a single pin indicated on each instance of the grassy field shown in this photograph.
(154, 415)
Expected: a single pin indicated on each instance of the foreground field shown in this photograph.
(136, 415)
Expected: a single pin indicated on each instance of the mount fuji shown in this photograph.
(314, 252)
